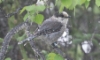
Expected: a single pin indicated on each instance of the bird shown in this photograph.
(51, 29)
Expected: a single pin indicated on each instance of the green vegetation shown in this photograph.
(85, 25)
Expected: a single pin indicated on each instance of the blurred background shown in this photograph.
(81, 40)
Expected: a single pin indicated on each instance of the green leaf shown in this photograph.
(61, 8)
(58, 57)
(8, 59)
(82, 1)
(30, 8)
(71, 7)
(53, 56)
(74, 3)
(66, 3)
(21, 11)
(40, 7)
(97, 2)
(57, 3)
(50, 56)
(1, 1)
(39, 18)
(88, 0)
(87, 4)
(33, 8)
(32, 18)
(23, 52)
(20, 38)
(26, 16)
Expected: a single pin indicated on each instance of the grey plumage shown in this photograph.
(52, 28)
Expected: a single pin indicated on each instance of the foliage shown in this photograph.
(8, 59)
(53, 56)
(33, 13)
(71, 4)
(97, 2)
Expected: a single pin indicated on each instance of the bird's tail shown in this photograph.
(27, 39)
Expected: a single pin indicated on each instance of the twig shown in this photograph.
(36, 51)
(93, 33)
(11, 14)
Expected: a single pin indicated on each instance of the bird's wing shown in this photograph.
(49, 26)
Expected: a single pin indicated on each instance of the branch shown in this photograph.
(36, 51)
(8, 37)
(11, 14)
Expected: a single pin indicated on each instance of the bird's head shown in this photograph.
(63, 16)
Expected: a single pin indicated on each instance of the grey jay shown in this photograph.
(51, 29)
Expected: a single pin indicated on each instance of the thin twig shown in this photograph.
(93, 33)
(36, 51)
